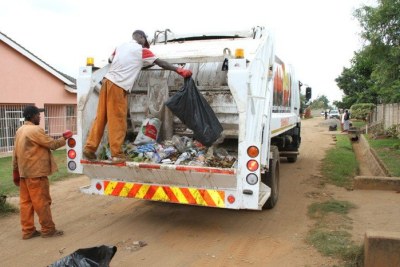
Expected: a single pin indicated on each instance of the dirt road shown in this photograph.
(178, 235)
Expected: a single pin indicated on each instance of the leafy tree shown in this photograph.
(381, 30)
(356, 81)
(321, 102)
(374, 75)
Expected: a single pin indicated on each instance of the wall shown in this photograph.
(25, 82)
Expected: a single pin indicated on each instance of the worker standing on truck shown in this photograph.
(126, 62)
(32, 163)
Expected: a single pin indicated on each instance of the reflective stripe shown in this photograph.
(183, 195)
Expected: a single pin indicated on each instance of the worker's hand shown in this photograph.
(16, 177)
(184, 73)
(67, 134)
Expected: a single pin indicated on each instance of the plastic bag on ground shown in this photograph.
(88, 257)
(189, 105)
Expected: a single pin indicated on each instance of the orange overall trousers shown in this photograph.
(34, 196)
(111, 110)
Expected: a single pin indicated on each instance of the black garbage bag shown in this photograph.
(88, 257)
(190, 106)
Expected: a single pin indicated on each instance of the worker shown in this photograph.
(346, 121)
(32, 164)
(126, 62)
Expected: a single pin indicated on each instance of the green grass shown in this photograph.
(336, 244)
(321, 209)
(340, 164)
(388, 151)
(7, 186)
(328, 237)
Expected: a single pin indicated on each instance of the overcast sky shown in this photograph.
(318, 37)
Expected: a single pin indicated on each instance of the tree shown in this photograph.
(381, 30)
(374, 75)
(321, 102)
(356, 82)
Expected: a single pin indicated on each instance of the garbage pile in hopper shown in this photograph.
(180, 150)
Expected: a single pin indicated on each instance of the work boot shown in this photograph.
(31, 235)
(89, 155)
(119, 159)
(53, 233)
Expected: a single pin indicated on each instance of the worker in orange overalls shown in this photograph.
(32, 163)
(126, 62)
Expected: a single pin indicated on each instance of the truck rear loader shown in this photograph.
(254, 95)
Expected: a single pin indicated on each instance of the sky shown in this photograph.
(318, 37)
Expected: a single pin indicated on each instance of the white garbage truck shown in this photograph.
(253, 93)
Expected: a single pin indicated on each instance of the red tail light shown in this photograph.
(71, 154)
(231, 199)
(252, 165)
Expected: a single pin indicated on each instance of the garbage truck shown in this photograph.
(255, 96)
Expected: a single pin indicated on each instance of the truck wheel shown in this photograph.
(292, 159)
(271, 179)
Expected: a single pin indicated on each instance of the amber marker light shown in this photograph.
(252, 151)
(239, 53)
(71, 142)
(89, 61)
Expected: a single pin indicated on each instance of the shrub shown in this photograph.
(361, 111)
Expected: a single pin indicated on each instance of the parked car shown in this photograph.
(334, 114)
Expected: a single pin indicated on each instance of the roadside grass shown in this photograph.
(316, 210)
(388, 150)
(340, 164)
(329, 236)
(6, 208)
(7, 187)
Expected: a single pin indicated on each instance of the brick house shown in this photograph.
(27, 80)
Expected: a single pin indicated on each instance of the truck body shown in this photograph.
(255, 96)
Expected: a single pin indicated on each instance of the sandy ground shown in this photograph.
(178, 235)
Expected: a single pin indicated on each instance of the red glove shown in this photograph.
(16, 177)
(67, 134)
(184, 73)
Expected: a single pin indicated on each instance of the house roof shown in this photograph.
(70, 82)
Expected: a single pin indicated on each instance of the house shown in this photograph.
(27, 80)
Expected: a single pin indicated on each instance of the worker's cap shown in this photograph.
(141, 33)
(30, 111)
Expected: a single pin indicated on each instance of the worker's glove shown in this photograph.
(184, 73)
(16, 177)
(67, 134)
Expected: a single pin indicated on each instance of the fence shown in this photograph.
(57, 118)
(388, 114)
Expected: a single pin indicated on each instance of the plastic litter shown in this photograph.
(148, 131)
(88, 257)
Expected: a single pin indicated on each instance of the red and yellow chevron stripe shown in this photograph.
(182, 195)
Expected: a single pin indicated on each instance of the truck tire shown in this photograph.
(292, 159)
(271, 179)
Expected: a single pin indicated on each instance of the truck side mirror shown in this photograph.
(308, 93)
